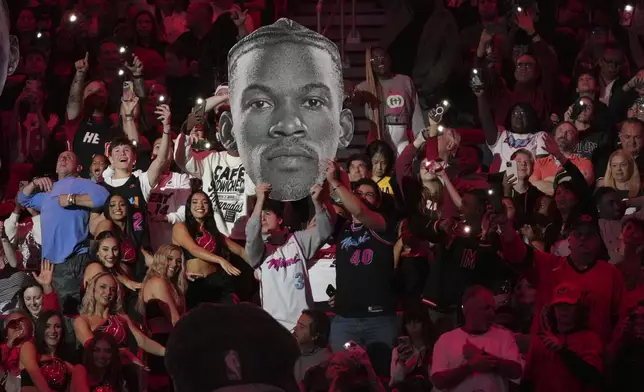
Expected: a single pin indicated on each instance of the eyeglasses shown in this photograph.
(366, 194)
(377, 59)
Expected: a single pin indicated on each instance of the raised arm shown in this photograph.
(158, 164)
(184, 158)
(371, 219)
(254, 241)
(487, 119)
(311, 239)
(182, 238)
(129, 112)
(75, 100)
(136, 70)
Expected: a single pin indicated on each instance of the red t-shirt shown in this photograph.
(550, 373)
(601, 284)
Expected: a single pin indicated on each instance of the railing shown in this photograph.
(353, 35)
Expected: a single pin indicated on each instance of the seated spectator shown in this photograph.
(38, 295)
(565, 351)
(623, 175)
(17, 328)
(582, 114)
(40, 359)
(411, 358)
(101, 367)
(547, 168)
(312, 335)
(250, 350)
(479, 354)
(630, 140)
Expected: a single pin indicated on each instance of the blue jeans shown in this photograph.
(376, 334)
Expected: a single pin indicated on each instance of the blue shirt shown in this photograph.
(64, 230)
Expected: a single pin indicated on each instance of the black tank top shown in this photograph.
(364, 266)
(90, 139)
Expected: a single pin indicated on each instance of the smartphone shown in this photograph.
(126, 54)
(128, 91)
(495, 192)
(350, 345)
(577, 109)
(626, 15)
(511, 169)
(404, 341)
(442, 107)
(330, 290)
(201, 145)
(476, 79)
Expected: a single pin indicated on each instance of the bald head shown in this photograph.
(8, 46)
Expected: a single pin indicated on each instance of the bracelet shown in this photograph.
(71, 199)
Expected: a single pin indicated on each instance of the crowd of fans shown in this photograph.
(490, 237)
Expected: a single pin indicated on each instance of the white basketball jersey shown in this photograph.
(284, 283)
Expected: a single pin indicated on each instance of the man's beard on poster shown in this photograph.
(289, 146)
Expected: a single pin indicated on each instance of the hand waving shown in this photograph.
(46, 274)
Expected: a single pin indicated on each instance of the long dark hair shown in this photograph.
(41, 327)
(113, 375)
(532, 119)
(29, 283)
(415, 311)
(381, 147)
(155, 38)
(96, 244)
(210, 225)
(129, 229)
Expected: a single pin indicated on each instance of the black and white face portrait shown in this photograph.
(8, 46)
(286, 110)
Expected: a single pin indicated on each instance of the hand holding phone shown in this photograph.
(330, 290)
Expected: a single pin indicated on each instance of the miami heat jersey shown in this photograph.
(284, 283)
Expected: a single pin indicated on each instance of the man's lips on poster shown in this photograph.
(289, 157)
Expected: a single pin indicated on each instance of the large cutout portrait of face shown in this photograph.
(286, 116)
(8, 46)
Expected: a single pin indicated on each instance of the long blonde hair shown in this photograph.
(634, 183)
(159, 269)
(373, 87)
(89, 299)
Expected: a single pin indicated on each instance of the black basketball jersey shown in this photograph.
(364, 271)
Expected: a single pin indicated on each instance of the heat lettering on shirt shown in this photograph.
(282, 263)
(349, 242)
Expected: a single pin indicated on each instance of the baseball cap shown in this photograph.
(584, 222)
(566, 293)
(229, 347)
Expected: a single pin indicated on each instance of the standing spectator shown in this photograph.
(583, 113)
(364, 301)
(11, 278)
(611, 65)
(312, 335)
(9, 46)
(390, 101)
(547, 168)
(65, 206)
(520, 190)
(602, 282)
(479, 354)
(565, 355)
(285, 289)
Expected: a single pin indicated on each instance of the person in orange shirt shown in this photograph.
(546, 168)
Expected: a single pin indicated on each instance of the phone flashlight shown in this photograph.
(161, 98)
(628, 8)
(581, 103)
(441, 129)
(519, 9)
(490, 192)
(428, 164)
(467, 229)
(122, 50)
(73, 18)
(39, 35)
(445, 103)
(199, 101)
(475, 71)
(134, 142)
(207, 145)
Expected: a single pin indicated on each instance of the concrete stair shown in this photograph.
(370, 19)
